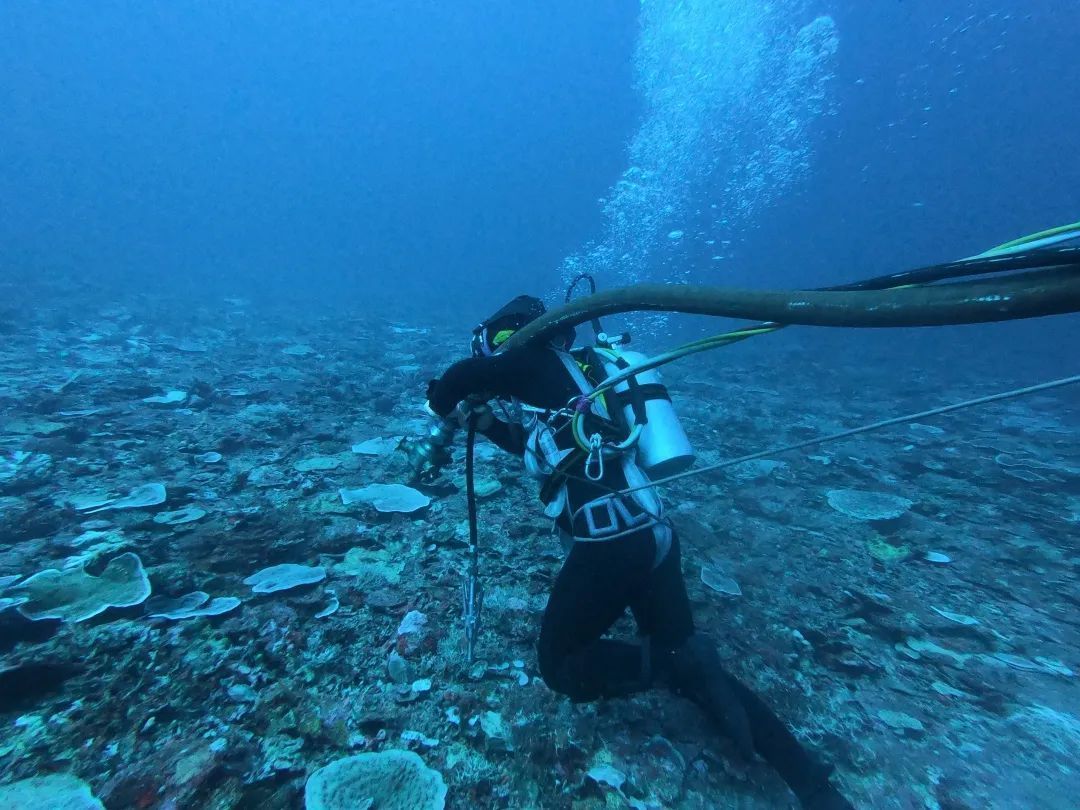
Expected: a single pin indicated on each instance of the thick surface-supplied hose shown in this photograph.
(1032, 294)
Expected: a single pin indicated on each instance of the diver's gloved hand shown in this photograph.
(479, 413)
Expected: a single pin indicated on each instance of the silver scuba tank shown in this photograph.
(662, 448)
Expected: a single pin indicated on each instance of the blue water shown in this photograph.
(373, 178)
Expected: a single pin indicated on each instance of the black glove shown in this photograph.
(479, 414)
(431, 386)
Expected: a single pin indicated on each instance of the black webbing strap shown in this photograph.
(634, 390)
(558, 475)
(649, 391)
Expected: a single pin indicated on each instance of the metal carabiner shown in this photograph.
(594, 462)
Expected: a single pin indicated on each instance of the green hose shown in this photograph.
(1062, 233)
(1030, 294)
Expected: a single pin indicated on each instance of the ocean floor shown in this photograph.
(907, 599)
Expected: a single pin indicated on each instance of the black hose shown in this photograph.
(470, 494)
(974, 266)
(472, 591)
(597, 328)
(1031, 294)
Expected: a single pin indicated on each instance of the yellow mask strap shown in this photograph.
(502, 336)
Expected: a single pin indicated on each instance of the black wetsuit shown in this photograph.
(601, 579)
(598, 580)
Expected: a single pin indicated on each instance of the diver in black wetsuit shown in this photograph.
(622, 553)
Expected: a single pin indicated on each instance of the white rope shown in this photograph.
(832, 437)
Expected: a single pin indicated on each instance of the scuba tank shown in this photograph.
(663, 448)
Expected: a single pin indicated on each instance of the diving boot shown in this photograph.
(695, 671)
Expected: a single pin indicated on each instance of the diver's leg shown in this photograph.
(686, 662)
(804, 773)
(691, 666)
(660, 604)
(590, 593)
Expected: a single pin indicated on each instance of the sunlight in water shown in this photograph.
(730, 92)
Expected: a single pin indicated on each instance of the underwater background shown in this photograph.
(237, 240)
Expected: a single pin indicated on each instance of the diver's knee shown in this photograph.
(551, 665)
(564, 675)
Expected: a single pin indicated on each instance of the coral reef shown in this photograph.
(929, 650)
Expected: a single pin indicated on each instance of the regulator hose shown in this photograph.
(1052, 289)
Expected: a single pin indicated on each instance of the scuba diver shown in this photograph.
(622, 552)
